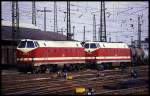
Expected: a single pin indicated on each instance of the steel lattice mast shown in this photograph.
(102, 32)
(94, 28)
(33, 13)
(139, 32)
(68, 21)
(15, 26)
(55, 17)
(44, 11)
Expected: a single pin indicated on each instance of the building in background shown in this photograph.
(144, 44)
(26, 31)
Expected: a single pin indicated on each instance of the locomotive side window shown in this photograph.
(103, 45)
(86, 45)
(44, 44)
(93, 45)
(22, 44)
(77, 44)
(36, 44)
(30, 44)
(98, 45)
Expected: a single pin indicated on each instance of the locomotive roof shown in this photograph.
(35, 34)
(111, 44)
(47, 43)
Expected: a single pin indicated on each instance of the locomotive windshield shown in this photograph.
(26, 44)
(90, 45)
(30, 44)
(86, 45)
(22, 44)
(93, 45)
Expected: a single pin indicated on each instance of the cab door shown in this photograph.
(93, 52)
(45, 51)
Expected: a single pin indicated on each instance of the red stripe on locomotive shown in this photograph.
(52, 52)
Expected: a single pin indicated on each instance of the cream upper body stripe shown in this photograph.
(70, 58)
(113, 57)
(114, 61)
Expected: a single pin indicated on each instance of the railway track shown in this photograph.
(127, 91)
(54, 88)
(24, 77)
(58, 86)
(38, 80)
(69, 90)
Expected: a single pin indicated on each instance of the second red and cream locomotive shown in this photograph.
(107, 54)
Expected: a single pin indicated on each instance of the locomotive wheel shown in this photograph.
(48, 69)
(67, 67)
(107, 66)
(83, 66)
(55, 68)
(71, 67)
(43, 69)
(35, 70)
(74, 67)
(122, 66)
(110, 66)
(64, 68)
(87, 65)
(77, 67)
(100, 67)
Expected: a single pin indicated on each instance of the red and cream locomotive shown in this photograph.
(37, 55)
(43, 55)
(107, 54)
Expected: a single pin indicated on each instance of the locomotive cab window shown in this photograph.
(86, 45)
(93, 45)
(30, 44)
(22, 44)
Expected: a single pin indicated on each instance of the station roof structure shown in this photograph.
(29, 33)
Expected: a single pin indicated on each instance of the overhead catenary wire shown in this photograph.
(84, 34)
(77, 9)
(44, 16)
(15, 26)
(94, 28)
(33, 13)
(55, 17)
(68, 22)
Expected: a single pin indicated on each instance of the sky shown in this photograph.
(121, 17)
